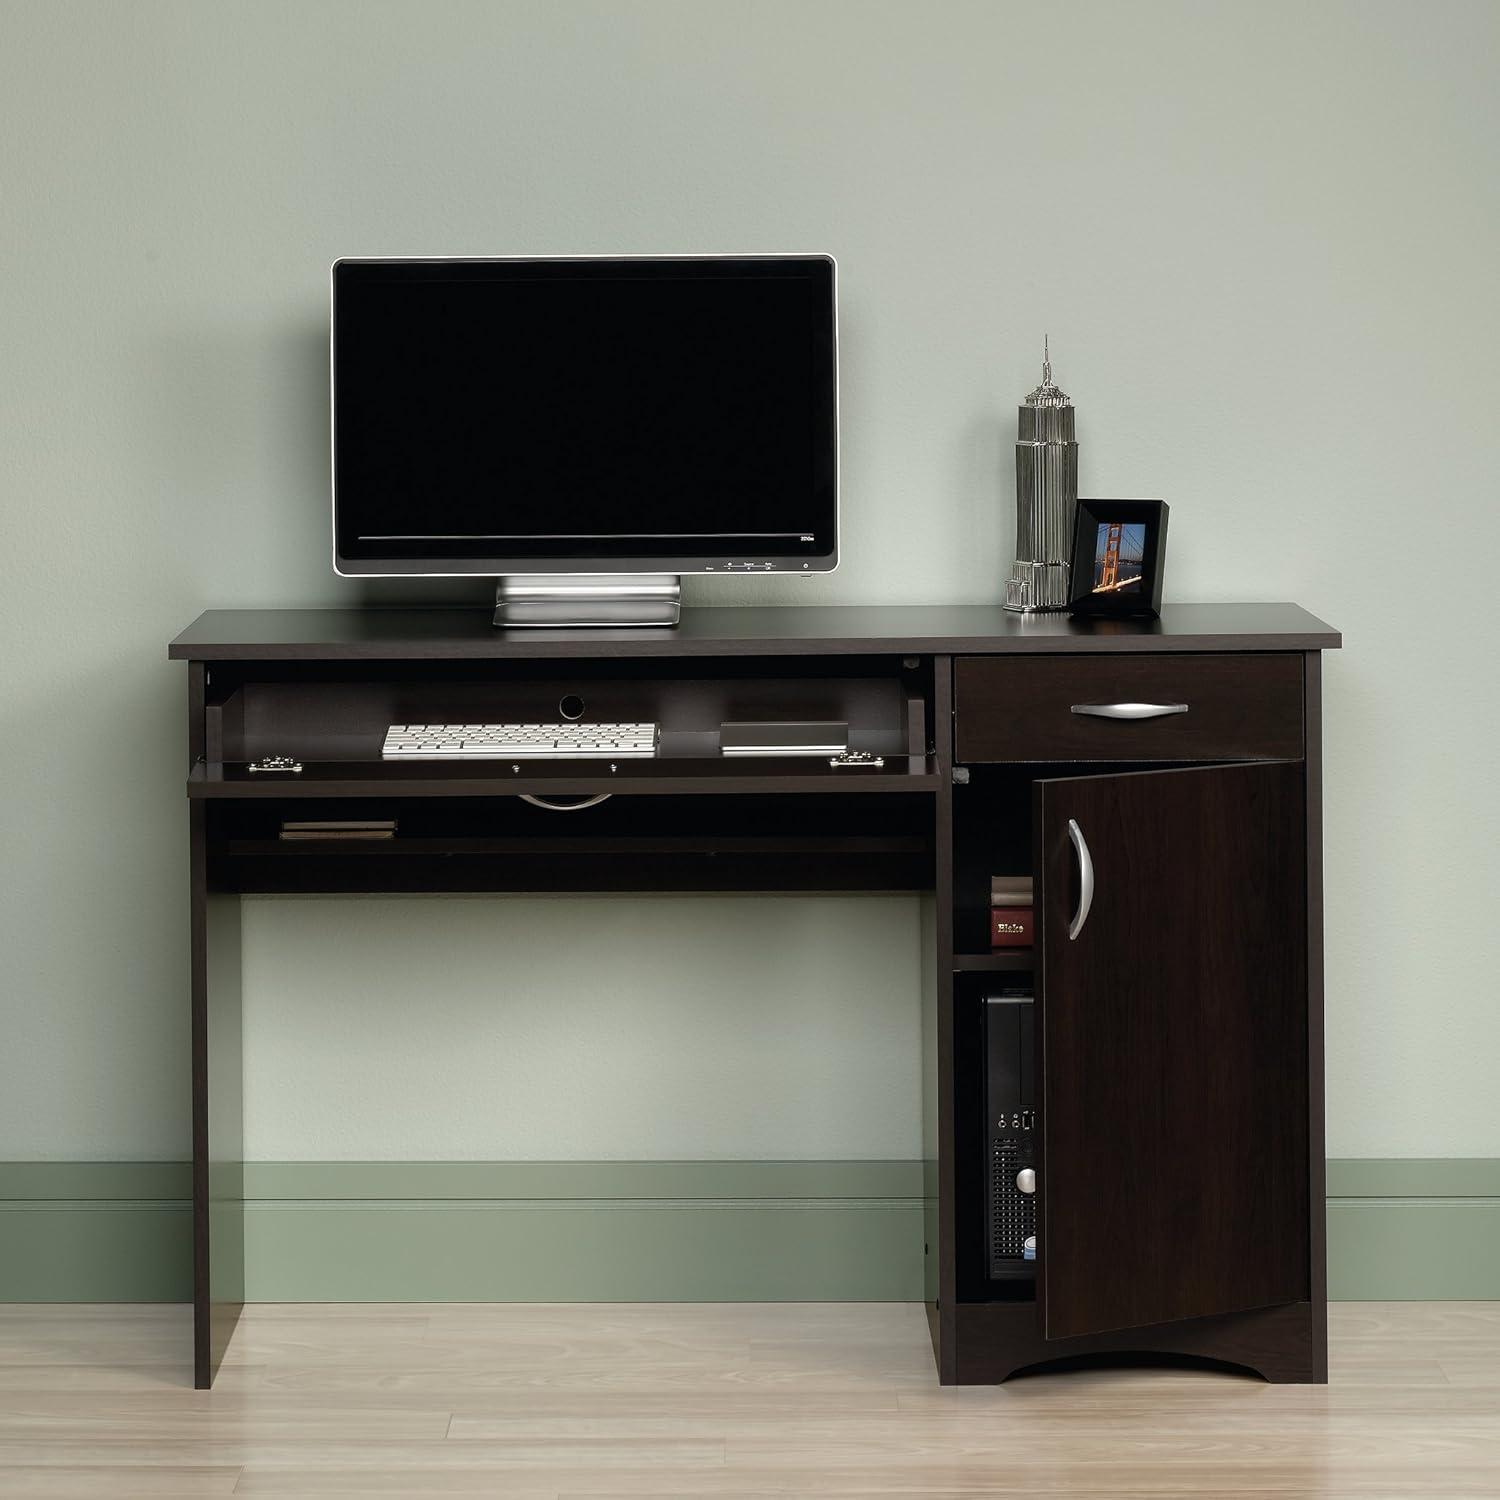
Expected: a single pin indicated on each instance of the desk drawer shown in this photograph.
(1028, 708)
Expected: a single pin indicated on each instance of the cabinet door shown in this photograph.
(1173, 1040)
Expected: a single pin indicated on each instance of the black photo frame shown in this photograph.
(1119, 552)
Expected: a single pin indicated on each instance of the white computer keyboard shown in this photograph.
(518, 741)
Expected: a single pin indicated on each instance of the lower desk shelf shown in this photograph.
(398, 848)
(1001, 961)
(743, 842)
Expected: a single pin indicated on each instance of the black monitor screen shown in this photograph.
(604, 412)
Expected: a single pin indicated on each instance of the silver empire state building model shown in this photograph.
(1046, 498)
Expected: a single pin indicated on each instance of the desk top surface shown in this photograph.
(448, 634)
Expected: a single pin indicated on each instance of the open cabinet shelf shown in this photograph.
(1001, 961)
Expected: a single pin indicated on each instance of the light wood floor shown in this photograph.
(728, 1401)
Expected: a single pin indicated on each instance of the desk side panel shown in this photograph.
(938, 1081)
(218, 1133)
(1317, 1205)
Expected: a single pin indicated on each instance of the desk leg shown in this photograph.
(218, 1151)
(940, 1190)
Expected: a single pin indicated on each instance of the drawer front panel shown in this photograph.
(1113, 708)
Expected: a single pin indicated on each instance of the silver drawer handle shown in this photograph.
(1129, 710)
(565, 806)
(1085, 880)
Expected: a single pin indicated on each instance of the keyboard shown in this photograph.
(518, 741)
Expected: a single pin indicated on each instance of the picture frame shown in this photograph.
(1119, 554)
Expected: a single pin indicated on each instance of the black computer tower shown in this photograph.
(1010, 1130)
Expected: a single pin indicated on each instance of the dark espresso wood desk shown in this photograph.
(1179, 1033)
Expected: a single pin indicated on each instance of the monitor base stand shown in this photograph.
(582, 599)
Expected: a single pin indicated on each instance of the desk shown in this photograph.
(1179, 1035)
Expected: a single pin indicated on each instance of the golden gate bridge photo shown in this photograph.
(1119, 557)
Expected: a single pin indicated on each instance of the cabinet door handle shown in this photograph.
(565, 806)
(1085, 880)
(1129, 710)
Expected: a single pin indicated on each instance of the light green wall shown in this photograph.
(1262, 238)
(582, 1028)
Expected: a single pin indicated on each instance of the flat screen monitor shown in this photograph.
(585, 415)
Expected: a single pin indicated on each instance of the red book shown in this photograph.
(1010, 926)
